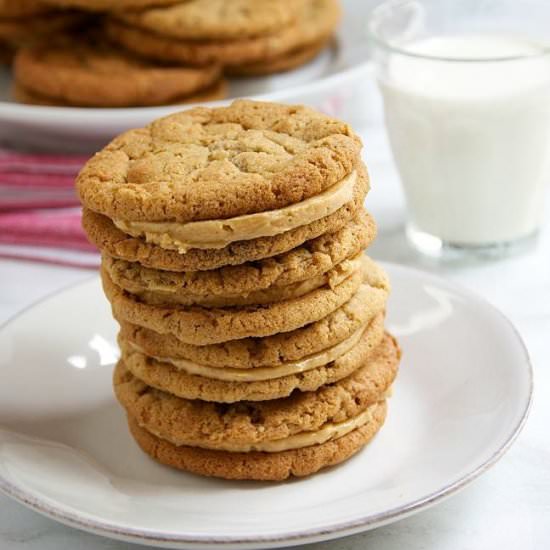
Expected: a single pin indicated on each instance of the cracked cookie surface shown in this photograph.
(216, 163)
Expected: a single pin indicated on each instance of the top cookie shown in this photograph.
(216, 19)
(217, 163)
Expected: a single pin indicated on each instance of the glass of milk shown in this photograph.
(466, 88)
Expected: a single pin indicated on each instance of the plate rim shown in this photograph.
(339, 529)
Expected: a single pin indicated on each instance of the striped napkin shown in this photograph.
(39, 210)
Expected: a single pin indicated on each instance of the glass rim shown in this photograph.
(375, 38)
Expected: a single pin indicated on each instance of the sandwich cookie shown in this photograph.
(217, 166)
(201, 326)
(265, 466)
(227, 385)
(276, 351)
(107, 237)
(164, 295)
(223, 186)
(318, 257)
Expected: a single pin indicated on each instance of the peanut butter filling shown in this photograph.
(327, 432)
(266, 373)
(210, 234)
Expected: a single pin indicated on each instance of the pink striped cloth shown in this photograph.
(39, 210)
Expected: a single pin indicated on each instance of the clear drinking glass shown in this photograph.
(466, 88)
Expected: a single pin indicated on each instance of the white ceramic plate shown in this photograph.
(336, 82)
(460, 400)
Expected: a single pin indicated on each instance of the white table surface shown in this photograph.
(507, 508)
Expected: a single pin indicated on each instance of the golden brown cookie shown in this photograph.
(224, 385)
(332, 252)
(95, 74)
(218, 163)
(261, 424)
(315, 22)
(215, 19)
(216, 91)
(272, 351)
(259, 465)
(286, 62)
(201, 326)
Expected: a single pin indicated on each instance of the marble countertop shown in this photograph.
(507, 508)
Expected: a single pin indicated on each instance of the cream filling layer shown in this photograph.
(327, 432)
(263, 373)
(210, 234)
(156, 294)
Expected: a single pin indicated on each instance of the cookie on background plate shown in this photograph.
(89, 72)
(216, 19)
(285, 62)
(215, 92)
(158, 35)
(269, 440)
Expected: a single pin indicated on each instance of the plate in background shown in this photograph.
(337, 82)
(461, 397)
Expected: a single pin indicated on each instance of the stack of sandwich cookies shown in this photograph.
(252, 325)
(246, 37)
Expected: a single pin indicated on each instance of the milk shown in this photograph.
(471, 139)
